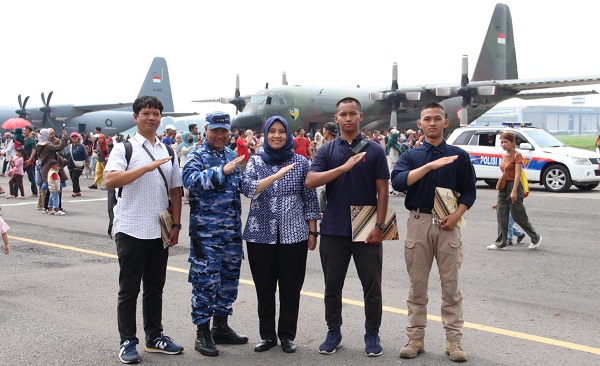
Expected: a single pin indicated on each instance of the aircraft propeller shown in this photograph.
(237, 101)
(22, 112)
(396, 96)
(46, 109)
(466, 91)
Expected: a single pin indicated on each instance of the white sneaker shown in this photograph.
(536, 245)
(59, 213)
(494, 247)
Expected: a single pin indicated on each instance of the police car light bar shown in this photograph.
(517, 124)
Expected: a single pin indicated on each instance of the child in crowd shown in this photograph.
(54, 189)
(4, 230)
(16, 181)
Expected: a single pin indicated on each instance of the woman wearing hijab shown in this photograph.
(8, 151)
(281, 228)
(186, 144)
(46, 150)
(394, 152)
(102, 151)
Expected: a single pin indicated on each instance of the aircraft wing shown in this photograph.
(100, 107)
(553, 94)
(179, 114)
(544, 83)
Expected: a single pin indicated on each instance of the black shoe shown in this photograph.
(223, 334)
(265, 345)
(204, 342)
(520, 238)
(93, 186)
(509, 243)
(288, 346)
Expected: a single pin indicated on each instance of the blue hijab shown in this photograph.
(272, 156)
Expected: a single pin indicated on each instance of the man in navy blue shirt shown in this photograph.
(362, 180)
(419, 171)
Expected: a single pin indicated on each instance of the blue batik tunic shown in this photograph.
(281, 209)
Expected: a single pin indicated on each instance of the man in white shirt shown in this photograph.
(149, 180)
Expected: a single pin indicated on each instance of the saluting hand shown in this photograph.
(353, 161)
(436, 164)
(156, 163)
(283, 170)
(230, 167)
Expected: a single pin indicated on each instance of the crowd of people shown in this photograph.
(294, 180)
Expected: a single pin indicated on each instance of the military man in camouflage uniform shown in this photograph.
(212, 175)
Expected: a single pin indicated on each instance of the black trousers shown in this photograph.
(140, 260)
(272, 264)
(75, 174)
(335, 257)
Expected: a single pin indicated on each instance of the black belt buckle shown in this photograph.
(420, 211)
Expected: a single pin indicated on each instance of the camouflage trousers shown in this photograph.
(214, 274)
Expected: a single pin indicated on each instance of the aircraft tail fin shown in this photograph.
(158, 84)
(498, 57)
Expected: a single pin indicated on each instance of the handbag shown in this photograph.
(77, 163)
(12, 171)
(524, 183)
(501, 183)
(61, 159)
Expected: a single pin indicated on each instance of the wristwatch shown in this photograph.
(380, 225)
(314, 233)
(173, 226)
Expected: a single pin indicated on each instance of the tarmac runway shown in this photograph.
(58, 292)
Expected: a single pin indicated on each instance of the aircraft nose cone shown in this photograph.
(247, 121)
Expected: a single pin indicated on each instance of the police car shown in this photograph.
(547, 160)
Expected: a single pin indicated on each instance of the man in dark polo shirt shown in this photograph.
(361, 181)
(419, 171)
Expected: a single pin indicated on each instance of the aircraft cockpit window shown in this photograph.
(276, 99)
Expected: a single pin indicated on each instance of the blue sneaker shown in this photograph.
(373, 344)
(163, 344)
(128, 352)
(332, 342)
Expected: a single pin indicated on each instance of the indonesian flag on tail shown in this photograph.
(156, 78)
(501, 38)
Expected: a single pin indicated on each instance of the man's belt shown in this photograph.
(422, 210)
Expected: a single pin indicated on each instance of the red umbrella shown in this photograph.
(12, 123)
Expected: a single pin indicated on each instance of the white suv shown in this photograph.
(547, 160)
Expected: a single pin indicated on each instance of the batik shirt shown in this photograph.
(281, 209)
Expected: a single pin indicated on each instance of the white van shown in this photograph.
(547, 160)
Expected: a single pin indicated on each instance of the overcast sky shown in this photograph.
(99, 52)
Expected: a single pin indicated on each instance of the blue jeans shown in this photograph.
(512, 229)
(53, 201)
(30, 170)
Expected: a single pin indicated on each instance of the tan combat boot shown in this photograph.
(455, 351)
(413, 348)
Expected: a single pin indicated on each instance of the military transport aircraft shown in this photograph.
(112, 118)
(495, 79)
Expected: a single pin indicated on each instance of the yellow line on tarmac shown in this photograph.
(481, 327)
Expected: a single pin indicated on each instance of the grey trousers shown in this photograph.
(518, 212)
